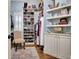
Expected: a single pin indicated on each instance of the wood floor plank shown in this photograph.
(40, 53)
(44, 56)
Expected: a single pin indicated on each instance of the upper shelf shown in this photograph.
(67, 25)
(57, 8)
(58, 17)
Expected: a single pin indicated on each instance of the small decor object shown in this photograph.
(64, 11)
(25, 5)
(58, 29)
(33, 6)
(69, 11)
(41, 13)
(50, 6)
(29, 7)
(68, 1)
(63, 21)
(69, 22)
(40, 6)
(53, 2)
(57, 5)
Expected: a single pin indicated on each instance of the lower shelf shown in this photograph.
(29, 40)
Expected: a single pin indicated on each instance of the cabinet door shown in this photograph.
(65, 47)
(52, 51)
(50, 44)
(47, 44)
(55, 37)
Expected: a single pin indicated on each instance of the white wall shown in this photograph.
(17, 13)
(17, 10)
(17, 7)
(18, 21)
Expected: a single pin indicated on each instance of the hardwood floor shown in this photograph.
(44, 56)
(41, 54)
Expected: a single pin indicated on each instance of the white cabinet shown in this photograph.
(50, 46)
(57, 45)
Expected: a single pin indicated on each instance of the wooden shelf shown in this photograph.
(58, 8)
(68, 25)
(58, 17)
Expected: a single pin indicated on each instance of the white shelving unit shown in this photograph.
(58, 8)
(60, 16)
(58, 44)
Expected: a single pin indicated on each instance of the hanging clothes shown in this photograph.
(39, 26)
(38, 31)
(41, 30)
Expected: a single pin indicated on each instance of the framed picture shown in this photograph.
(64, 11)
(63, 21)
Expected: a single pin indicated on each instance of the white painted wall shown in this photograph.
(17, 10)
(17, 5)
(18, 21)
